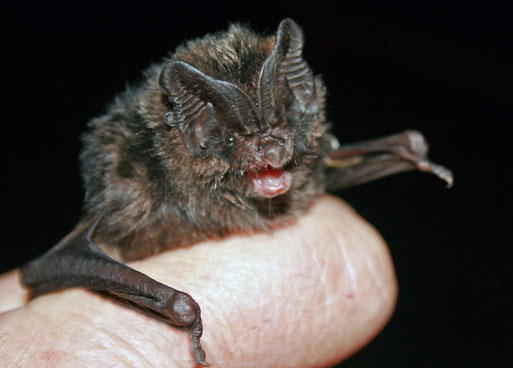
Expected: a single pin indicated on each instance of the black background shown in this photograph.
(439, 67)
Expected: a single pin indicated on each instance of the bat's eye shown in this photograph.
(230, 141)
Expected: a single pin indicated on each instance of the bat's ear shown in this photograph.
(286, 71)
(209, 113)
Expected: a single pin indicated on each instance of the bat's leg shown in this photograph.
(79, 262)
(362, 162)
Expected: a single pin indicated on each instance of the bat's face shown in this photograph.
(263, 123)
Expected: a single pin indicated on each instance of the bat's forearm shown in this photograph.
(81, 263)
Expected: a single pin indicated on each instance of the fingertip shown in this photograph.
(13, 295)
(366, 290)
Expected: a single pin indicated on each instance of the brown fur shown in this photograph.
(154, 195)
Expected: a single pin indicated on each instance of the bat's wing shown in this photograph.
(79, 262)
(362, 162)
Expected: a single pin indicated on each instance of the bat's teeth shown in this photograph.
(270, 182)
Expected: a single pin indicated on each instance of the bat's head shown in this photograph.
(250, 101)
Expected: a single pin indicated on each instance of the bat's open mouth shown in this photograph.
(270, 182)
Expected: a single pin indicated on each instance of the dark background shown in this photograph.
(439, 67)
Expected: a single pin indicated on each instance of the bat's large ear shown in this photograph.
(208, 112)
(286, 71)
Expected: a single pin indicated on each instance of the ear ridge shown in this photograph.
(188, 107)
(192, 114)
(295, 69)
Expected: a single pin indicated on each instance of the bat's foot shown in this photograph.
(362, 162)
(412, 146)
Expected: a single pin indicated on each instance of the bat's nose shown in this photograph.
(274, 152)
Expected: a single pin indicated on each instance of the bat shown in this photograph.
(228, 133)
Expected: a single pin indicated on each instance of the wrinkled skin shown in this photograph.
(308, 295)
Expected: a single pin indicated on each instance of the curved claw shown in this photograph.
(442, 172)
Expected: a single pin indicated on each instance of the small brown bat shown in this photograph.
(227, 134)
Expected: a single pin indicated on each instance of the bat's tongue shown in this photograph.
(270, 182)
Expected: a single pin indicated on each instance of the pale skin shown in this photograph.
(306, 295)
